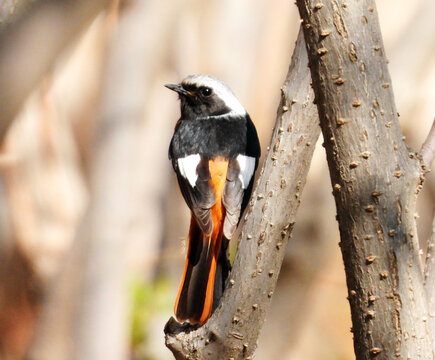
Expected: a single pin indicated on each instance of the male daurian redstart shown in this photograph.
(214, 152)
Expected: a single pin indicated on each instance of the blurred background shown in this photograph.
(92, 224)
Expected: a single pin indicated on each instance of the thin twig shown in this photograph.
(427, 151)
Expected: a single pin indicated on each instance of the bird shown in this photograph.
(214, 152)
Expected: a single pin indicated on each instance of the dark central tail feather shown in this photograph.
(222, 270)
(205, 272)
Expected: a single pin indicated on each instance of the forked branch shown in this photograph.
(233, 329)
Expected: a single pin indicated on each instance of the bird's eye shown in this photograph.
(206, 91)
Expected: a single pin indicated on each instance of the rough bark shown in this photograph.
(375, 179)
(429, 278)
(427, 153)
(233, 329)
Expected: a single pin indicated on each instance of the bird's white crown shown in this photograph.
(219, 88)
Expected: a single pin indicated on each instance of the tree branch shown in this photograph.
(374, 176)
(233, 329)
(427, 154)
(429, 279)
(427, 151)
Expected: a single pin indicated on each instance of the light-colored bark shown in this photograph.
(427, 151)
(374, 176)
(233, 329)
(429, 279)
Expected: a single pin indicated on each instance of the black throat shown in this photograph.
(224, 135)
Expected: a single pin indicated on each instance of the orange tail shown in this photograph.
(195, 296)
(206, 265)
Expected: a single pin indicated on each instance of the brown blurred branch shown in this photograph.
(11, 10)
(30, 45)
(6, 233)
(19, 288)
(233, 329)
(7, 9)
(374, 178)
(427, 151)
(90, 295)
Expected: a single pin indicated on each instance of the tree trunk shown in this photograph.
(375, 179)
(233, 329)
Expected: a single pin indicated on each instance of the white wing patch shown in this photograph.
(187, 166)
(247, 168)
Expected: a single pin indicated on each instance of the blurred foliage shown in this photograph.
(147, 300)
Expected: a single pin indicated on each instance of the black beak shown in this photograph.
(179, 89)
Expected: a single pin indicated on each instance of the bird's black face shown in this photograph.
(198, 101)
